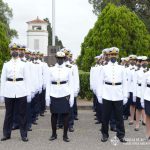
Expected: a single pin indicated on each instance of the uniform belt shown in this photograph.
(108, 83)
(58, 82)
(148, 85)
(17, 79)
(139, 84)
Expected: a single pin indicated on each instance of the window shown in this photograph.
(36, 28)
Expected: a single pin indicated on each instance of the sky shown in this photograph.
(74, 18)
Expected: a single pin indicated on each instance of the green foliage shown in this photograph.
(57, 41)
(140, 7)
(4, 42)
(85, 92)
(5, 17)
(116, 26)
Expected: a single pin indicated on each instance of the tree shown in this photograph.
(140, 7)
(4, 42)
(116, 26)
(57, 41)
(6, 33)
(5, 17)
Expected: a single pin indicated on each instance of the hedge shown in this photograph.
(85, 92)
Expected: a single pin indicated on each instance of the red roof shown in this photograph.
(37, 20)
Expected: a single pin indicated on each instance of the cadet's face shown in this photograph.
(60, 61)
(132, 62)
(113, 56)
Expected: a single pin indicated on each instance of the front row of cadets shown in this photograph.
(24, 80)
(121, 92)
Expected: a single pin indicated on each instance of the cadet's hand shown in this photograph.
(29, 99)
(2, 99)
(125, 100)
(48, 101)
(134, 98)
(142, 104)
(100, 100)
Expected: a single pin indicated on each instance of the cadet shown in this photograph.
(59, 94)
(14, 88)
(142, 66)
(112, 92)
(145, 100)
(131, 74)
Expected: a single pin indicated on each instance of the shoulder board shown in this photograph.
(69, 66)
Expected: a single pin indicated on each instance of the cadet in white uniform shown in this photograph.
(14, 88)
(145, 100)
(139, 73)
(131, 100)
(112, 93)
(59, 94)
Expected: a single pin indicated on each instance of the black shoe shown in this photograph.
(95, 119)
(5, 138)
(25, 139)
(71, 129)
(113, 129)
(53, 137)
(123, 140)
(76, 118)
(35, 123)
(30, 129)
(15, 127)
(66, 139)
(144, 124)
(42, 115)
(98, 122)
(125, 118)
(136, 129)
(131, 123)
(104, 139)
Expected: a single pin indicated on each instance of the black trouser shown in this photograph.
(54, 118)
(75, 108)
(22, 111)
(117, 107)
(35, 107)
(42, 102)
(15, 115)
(112, 120)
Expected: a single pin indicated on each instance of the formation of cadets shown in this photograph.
(121, 91)
(28, 85)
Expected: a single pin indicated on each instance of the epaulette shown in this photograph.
(69, 66)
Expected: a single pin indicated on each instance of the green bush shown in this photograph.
(85, 92)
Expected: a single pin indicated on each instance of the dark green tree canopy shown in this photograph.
(140, 7)
(57, 41)
(116, 26)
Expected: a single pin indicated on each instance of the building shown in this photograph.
(37, 35)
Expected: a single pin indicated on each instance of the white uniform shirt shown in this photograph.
(145, 89)
(131, 75)
(59, 73)
(138, 80)
(112, 73)
(15, 69)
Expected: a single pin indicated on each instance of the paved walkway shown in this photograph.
(85, 137)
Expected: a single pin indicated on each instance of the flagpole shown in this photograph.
(53, 22)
